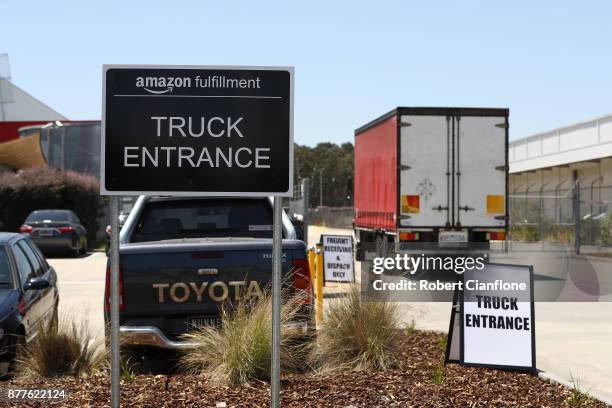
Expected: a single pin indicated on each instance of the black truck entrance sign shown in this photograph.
(197, 130)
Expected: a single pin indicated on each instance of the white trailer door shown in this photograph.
(480, 170)
(425, 171)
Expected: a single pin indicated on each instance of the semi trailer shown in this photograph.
(431, 178)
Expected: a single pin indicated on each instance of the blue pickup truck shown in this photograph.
(182, 258)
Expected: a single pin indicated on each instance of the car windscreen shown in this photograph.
(6, 277)
(38, 216)
(204, 218)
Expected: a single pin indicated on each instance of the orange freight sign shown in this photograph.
(496, 204)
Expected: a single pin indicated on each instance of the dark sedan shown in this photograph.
(56, 231)
(28, 295)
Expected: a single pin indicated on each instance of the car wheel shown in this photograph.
(84, 249)
(77, 250)
(54, 318)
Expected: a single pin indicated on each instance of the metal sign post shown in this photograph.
(306, 206)
(277, 245)
(114, 302)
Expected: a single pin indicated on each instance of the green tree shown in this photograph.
(334, 164)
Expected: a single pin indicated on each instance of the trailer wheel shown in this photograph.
(381, 245)
(359, 252)
(365, 241)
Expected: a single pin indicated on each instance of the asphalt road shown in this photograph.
(81, 287)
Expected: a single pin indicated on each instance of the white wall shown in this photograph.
(571, 144)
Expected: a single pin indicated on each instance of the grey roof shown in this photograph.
(21, 106)
(50, 210)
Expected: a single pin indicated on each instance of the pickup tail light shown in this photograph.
(65, 230)
(301, 280)
(25, 229)
(496, 236)
(107, 302)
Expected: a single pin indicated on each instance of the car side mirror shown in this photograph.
(37, 284)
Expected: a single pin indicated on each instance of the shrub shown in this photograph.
(44, 188)
(66, 348)
(356, 335)
(438, 373)
(128, 374)
(411, 328)
(561, 235)
(577, 397)
(241, 350)
(524, 233)
(605, 230)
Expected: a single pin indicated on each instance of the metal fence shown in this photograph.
(563, 219)
(333, 217)
(299, 201)
(577, 219)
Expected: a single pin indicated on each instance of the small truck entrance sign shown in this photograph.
(492, 323)
(177, 130)
(498, 325)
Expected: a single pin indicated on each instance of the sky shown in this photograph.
(549, 62)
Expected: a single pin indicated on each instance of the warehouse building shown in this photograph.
(545, 171)
(33, 134)
(18, 109)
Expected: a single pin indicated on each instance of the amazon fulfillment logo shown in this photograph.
(162, 84)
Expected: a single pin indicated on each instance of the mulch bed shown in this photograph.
(411, 384)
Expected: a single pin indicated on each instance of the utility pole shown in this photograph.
(314, 172)
(576, 197)
(321, 188)
(597, 180)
